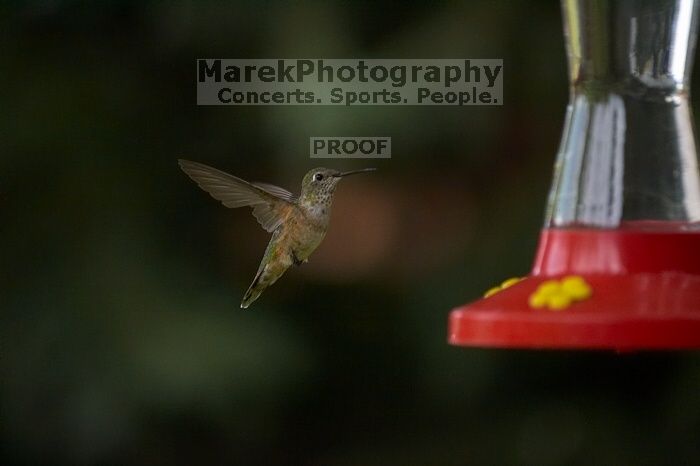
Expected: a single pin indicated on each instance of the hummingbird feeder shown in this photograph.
(618, 262)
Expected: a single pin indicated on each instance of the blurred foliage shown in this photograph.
(121, 340)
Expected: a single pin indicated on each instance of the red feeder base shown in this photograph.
(646, 295)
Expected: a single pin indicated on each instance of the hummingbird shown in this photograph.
(298, 224)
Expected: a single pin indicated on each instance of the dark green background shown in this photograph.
(121, 340)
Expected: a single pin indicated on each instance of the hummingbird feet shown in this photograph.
(296, 260)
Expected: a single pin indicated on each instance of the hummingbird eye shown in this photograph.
(318, 177)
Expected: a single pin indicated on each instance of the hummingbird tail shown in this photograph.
(266, 276)
(274, 263)
(253, 293)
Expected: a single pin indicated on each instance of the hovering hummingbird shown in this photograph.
(297, 224)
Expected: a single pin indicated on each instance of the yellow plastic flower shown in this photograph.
(502, 286)
(556, 295)
(537, 300)
(510, 282)
(576, 287)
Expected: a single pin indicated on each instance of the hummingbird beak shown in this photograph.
(339, 175)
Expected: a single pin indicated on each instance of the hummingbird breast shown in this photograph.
(303, 231)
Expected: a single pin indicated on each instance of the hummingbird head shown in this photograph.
(319, 184)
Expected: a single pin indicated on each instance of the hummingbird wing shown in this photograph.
(276, 190)
(270, 204)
